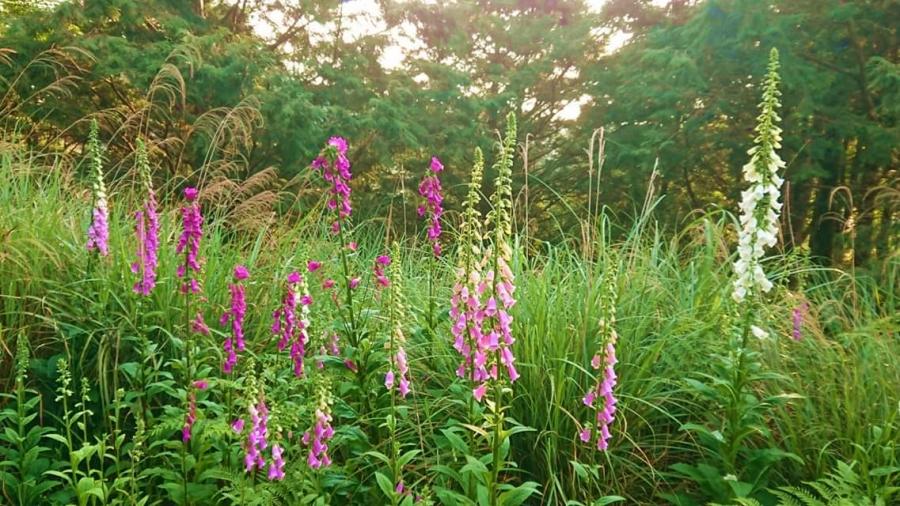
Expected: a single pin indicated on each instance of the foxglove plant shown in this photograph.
(760, 207)
(335, 168)
(191, 416)
(235, 314)
(146, 229)
(256, 437)
(742, 415)
(317, 437)
(430, 190)
(397, 378)
(464, 302)
(98, 232)
(601, 397)
(189, 246)
(398, 368)
(493, 348)
(189, 241)
(292, 328)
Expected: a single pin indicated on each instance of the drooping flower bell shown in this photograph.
(98, 232)
(759, 205)
(276, 466)
(189, 242)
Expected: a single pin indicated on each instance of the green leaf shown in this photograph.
(407, 457)
(609, 499)
(474, 465)
(456, 442)
(380, 456)
(519, 495)
(384, 483)
(884, 471)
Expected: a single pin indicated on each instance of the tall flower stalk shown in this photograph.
(321, 432)
(235, 314)
(493, 359)
(431, 192)
(146, 229)
(397, 379)
(493, 351)
(432, 207)
(189, 270)
(398, 366)
(292, 326)
(98, 232)
(601, 397)
(465, 323)
(335, 168)
(760, 207)
(743, 414)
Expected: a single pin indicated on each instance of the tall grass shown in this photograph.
(674, 308)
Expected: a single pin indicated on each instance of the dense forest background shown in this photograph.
(238, 96)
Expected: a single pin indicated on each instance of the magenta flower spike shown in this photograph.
(235, 314)
(189, 241)
(276, 466)
(256, 437)
(601, 397)
(147, 233)
(430, 190)
(98, 232)
(317, 440)
(335, 167)
(293, 329)
(189, 418)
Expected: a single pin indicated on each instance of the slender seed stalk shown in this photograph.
(345, 264)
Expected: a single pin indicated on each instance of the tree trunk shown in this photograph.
(823, 227)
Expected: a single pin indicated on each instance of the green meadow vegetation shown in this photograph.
(182, 323)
